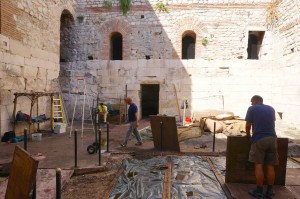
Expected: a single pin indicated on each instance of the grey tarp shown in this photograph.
(191, 178)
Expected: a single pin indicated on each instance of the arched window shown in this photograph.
(66, 45)
(116, 46)
(188, 45)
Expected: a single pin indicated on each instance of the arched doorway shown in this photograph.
(116, 46)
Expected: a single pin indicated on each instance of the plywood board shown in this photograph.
(240, 170)
(22, 175)
(241, 191)
(165, 138)
(292, 177)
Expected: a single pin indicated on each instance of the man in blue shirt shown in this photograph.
(263, 150)
(133, 118)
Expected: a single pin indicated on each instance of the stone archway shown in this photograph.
(106, 30)
(189, 24)
(66, 31)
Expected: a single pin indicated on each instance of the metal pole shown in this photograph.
(99, 131)
(58, 183)
(25, 139)
(161, 136)
(214, 140)
(34, 191)
(75, 139)
(107, 137)
(95, 124)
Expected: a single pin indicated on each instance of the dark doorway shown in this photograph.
(188, 46)
(116, 46)
(255, 39)
(150, 99)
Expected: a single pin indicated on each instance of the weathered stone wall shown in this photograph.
(219, 74)
(29, 51)
(286, 90)
(149, 32)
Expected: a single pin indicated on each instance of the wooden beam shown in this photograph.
(167, 180)
(112, 184)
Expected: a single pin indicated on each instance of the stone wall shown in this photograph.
(29, 52)
(286, 90)
(149, 32)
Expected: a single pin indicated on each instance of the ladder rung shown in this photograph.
(56, 99)
(57, 117)
(56, 105)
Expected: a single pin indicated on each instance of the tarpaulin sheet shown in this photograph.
(140, 179)
(192, 177)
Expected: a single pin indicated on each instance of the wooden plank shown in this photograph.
(219, 178)
(112, 184)
(295, 190)
(22, 175)
(292, 177)
(167, 180)
(241, 191)
(240, 170)
(175, 90)
(169, 139)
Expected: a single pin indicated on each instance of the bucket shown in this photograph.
(37, 137)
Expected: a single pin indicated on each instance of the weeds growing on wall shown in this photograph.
(107, 4)
(125, 6)
(272, 15)
(161, 7)
(204, 41)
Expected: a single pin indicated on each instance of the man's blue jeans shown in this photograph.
(133, 129)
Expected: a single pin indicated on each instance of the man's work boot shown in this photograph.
(255, 193)
(270, 193)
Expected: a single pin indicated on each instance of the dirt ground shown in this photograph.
(93, 185)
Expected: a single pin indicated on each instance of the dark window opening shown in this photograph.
(142, 16)
(188, 46)
(66, 29)
(116, 46)
(150, 100)
(147, 57)
(255, 39)
(90, 58)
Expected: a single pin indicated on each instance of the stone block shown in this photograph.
(41, 73)
(18, 48)
(30, 72)
(93, 65)
(4, 43)
(148, 72)
(17, 60)
(37, 85)
(52, 74)
(16, 83)
(14, 71)
(41, 54)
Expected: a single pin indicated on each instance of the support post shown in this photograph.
(25, 139)
(161, 136)
(75, 139)
(58, 183)
(99, 132)
(107, 136)
(214, 140)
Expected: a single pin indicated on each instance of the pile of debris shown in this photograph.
(220, 122)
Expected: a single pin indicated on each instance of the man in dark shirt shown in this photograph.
(133, 118)
(263, 150)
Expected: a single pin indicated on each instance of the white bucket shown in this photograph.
(36, 137)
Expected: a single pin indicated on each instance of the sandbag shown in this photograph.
(209, 125)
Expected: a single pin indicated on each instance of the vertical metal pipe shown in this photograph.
(99, 131)
(107, 137)
(25, 139)
(161, 136)
(58, 183)
(34, 190)
(75, 139)
(214, 140)
(95, 124)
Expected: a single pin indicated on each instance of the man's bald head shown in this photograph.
(128, 100)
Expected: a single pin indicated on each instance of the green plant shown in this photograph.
(204, 41)
(80, 19)
(161, 7)
(125, 6)
(107, 4)
(272, 15)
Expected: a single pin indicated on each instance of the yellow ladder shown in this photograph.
(57, 109)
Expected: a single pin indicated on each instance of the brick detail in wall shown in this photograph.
(115, 25)
(8, 23)
(189, 24)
